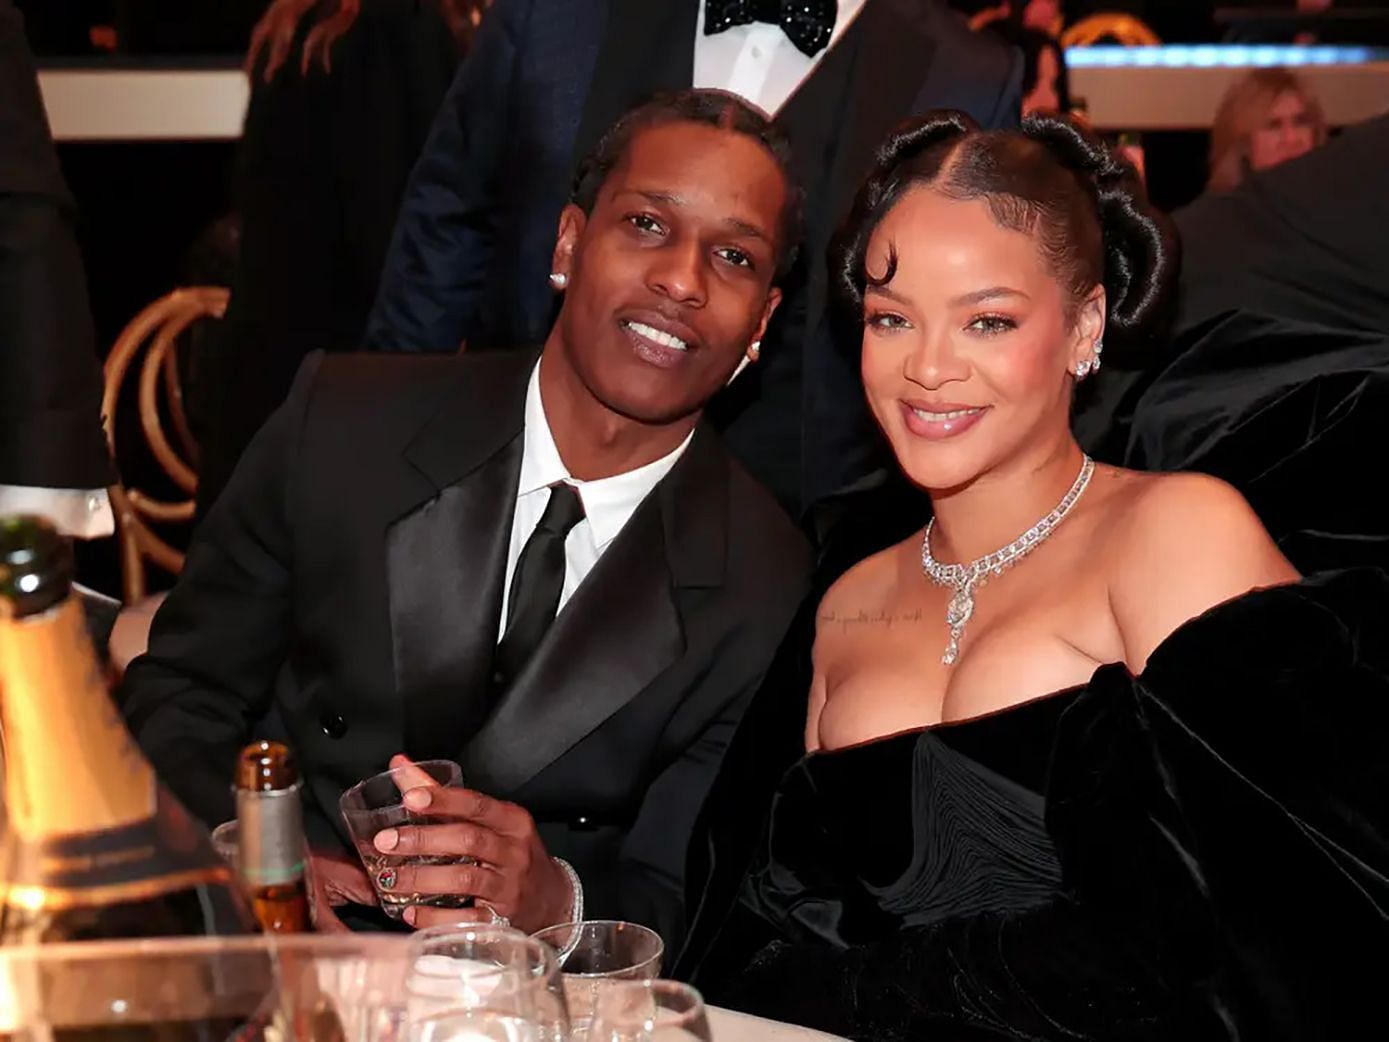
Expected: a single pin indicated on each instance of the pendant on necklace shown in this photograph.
(957, 614)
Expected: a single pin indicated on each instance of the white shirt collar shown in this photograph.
(609, 503)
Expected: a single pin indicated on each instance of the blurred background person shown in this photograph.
(343, 95)
(1265, 118)
(1045, 81)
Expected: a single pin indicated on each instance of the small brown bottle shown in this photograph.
(270, 836)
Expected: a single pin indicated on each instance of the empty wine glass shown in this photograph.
(375, 804)
(649, 1011)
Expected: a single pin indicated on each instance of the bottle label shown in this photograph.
(87, 822)
(137, 861)
(71, 767)
(270, 833)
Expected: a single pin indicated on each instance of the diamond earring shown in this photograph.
(755, 350)
(559, 279)
(1099, 346)
(1082, 369)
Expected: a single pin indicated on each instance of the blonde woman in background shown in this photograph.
(1266, 118)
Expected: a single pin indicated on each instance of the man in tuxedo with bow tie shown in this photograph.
(468, 258)
(549, 570)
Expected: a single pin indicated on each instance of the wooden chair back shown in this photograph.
(1124, 29)
(156, 331)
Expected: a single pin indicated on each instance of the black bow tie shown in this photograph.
(807, 23)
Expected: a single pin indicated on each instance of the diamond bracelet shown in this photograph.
(576, 910)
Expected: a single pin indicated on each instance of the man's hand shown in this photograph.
(513, 876)
(335, 881)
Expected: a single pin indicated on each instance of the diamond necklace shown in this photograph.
(965, 578)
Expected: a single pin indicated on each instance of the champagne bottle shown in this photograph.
(92, 846)
(270, 830)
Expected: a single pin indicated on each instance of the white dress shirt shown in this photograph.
(609, 503)
(758, 61)
(76, 512)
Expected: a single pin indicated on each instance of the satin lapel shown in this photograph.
(620, 630)
(446, 557)
(648, 46)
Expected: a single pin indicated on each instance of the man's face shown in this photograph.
(670, 275)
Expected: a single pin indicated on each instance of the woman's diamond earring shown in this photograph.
(559, 279)
(1082, 369)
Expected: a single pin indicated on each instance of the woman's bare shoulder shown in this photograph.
(1181, 544)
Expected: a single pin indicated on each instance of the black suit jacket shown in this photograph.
(50, 382)
(1305, 240)
(1292, 249)
(472, 248)
(349, 585)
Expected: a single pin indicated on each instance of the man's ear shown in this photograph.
(572, 222)
(768, 309)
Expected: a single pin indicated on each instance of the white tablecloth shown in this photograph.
(728, 1026)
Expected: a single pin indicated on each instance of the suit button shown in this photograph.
(333, 725)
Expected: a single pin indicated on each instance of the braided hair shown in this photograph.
(1053, 179)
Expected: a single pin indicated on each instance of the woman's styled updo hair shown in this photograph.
(1052, 178)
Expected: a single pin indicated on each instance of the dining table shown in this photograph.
(727, 1025)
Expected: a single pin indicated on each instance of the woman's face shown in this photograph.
(968, 350)
(1044, 96)
(1287, 132)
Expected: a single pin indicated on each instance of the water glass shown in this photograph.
(226, 840)
(489, 971)
(478, 1025)
(594, 955)
(649, 1011)
(375, 804)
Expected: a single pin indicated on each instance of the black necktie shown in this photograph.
(807, 23)
(537, 583)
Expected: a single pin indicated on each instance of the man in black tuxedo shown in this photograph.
(470, 253)
(385, 565)
(53, 458)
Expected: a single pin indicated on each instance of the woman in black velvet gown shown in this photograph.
(1135, 788)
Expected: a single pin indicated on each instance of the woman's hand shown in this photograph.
(274, 35)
